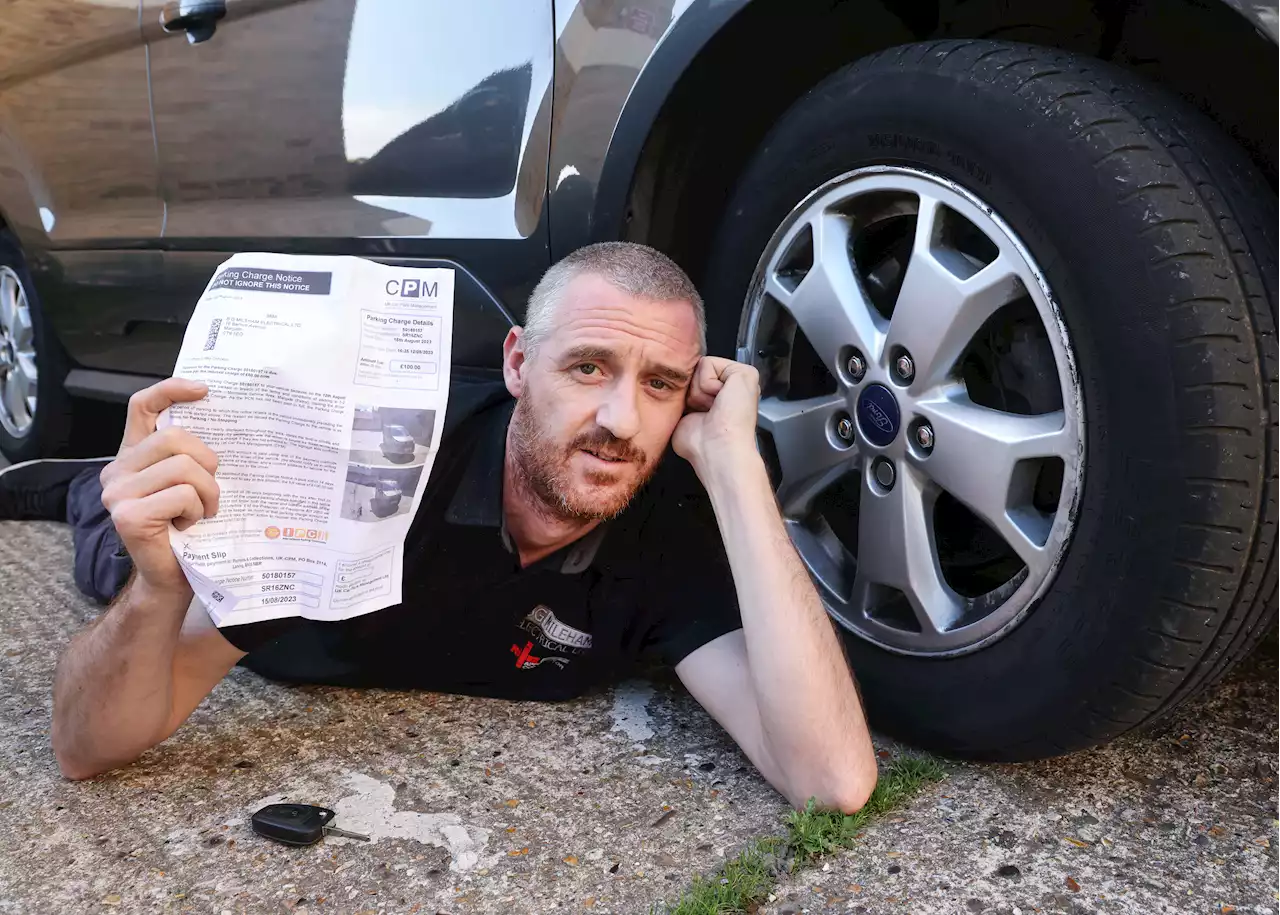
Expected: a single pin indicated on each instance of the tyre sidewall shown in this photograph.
(1043, 182)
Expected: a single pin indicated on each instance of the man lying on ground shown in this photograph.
(553, 549)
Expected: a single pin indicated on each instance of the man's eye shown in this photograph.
(588, 369)
(659, 385)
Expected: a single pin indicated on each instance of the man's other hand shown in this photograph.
(158, 478)
(720, 424)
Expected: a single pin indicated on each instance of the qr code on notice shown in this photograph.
(212, 340)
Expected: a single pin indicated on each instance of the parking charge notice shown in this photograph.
(328, 384)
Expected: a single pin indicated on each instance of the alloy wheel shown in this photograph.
(920, 409)
(18, 372)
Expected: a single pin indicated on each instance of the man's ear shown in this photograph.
(513, 361)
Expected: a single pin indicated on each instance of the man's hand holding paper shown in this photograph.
(159, 479)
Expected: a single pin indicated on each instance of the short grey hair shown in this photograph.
(633, 268)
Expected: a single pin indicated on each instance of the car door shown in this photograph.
(78, 174)
(403, 130)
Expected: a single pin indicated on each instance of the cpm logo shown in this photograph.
(413, 289)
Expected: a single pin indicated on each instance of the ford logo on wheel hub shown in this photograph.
(878, 415)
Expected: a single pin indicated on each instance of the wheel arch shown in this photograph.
(1263, 16)
(716, 84)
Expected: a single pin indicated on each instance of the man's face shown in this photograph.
(600, 396)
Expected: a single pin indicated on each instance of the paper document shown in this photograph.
(328, 384)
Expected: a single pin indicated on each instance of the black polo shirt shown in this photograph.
(651, 584)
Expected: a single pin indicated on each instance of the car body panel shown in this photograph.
(77, 154)
(387, 129)
(108, 329)
(412, 120)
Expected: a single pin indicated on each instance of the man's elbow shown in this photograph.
(73, 765)
(74, 771)
(846, 790)
(852, 794)
(73, 761)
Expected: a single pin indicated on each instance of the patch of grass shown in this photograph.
(745, 881)
(812, 833)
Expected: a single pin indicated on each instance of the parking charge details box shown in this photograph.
(400, 349)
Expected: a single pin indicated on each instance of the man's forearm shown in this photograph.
(811, 717)
(113, 691)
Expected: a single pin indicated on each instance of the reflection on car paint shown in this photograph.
(391, 118)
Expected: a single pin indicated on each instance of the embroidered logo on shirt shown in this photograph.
(526, 660)
(550, 632)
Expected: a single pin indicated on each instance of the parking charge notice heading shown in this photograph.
(296, 282)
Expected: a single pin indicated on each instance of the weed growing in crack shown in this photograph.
(746, 879)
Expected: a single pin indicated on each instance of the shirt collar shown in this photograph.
(477, 501)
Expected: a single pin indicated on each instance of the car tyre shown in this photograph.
(1157, 238)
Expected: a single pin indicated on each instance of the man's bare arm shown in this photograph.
(129, 681)
(793, 706)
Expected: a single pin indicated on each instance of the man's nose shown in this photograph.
(620, 413)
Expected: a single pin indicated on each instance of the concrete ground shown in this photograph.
(608, 804)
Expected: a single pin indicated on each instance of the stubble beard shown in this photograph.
(540, 468)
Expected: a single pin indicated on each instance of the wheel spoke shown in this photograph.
(8, 302)
(20, 331)
(943, 302)
(829, 303)
(896, 549)
(14, 396)
(828, 562)
(25, 365)
(808, 459)
(975, 455)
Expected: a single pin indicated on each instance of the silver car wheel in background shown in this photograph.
(894, 302)
(18, 372)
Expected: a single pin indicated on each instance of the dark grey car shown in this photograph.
(1007, 267)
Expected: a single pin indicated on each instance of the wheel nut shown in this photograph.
(857, 367)
(924, 436)
(844, 429)
(884, 473)
(905, 367)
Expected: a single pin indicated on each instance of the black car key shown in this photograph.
(298, 824)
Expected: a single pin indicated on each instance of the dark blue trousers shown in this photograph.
(102, 566)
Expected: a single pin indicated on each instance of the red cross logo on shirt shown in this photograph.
(527, 660)
(524, 657)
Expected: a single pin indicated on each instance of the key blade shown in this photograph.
(343, 834)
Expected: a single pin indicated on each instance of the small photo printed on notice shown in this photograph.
(389, 448)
